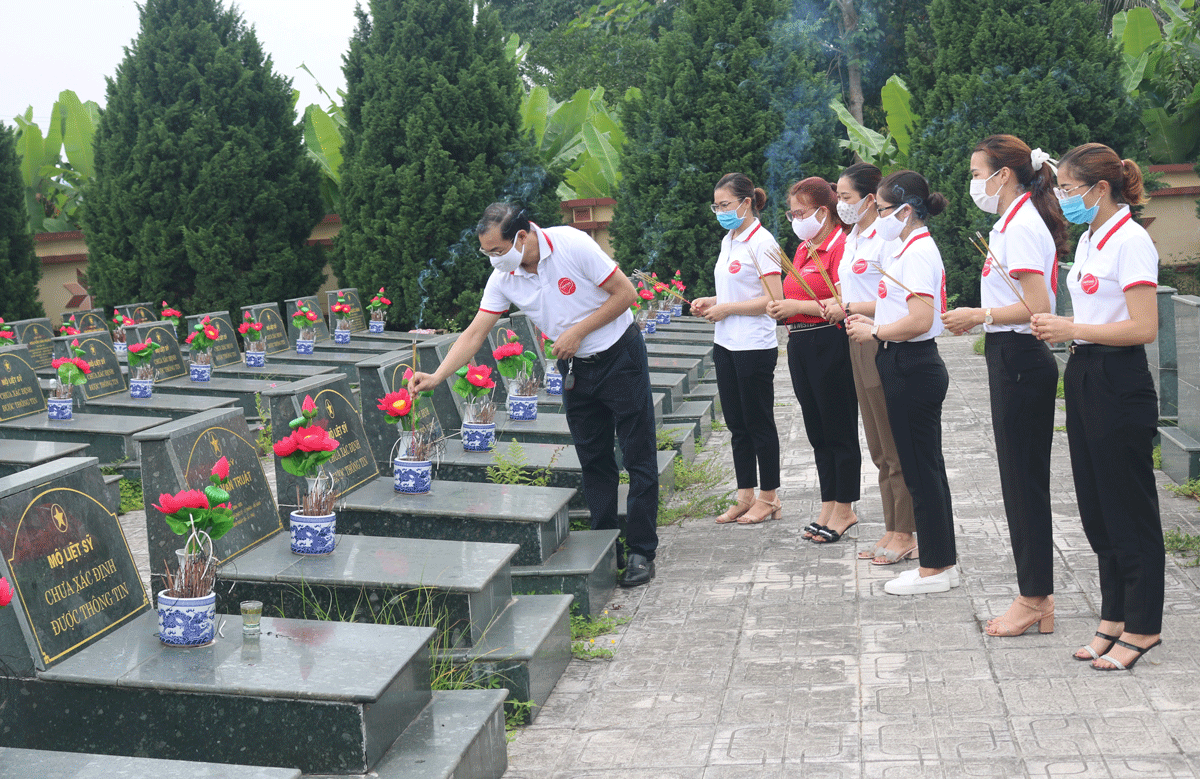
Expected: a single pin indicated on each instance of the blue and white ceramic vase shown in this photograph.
(663, 316)
(554, 381)
(187, 621)
(256, 359)
(120, 347)
(478, 438)
(651, 326)
(200, 368)
(313, 535)
(304, 346)
(677, 309)
(375, 326)
(341, 337)
(60, 408)
(411, 477)
(141, 388)
(522, 407)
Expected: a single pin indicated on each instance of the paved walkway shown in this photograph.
(757, 654)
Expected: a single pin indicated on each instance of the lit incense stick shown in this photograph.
(645, 278)
(825, 277)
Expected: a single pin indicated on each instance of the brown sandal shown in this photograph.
(729, 517)
(776, 512)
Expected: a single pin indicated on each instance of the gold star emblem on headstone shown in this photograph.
(329, 408)
(92, 346)
(215, 444)
(59, 516)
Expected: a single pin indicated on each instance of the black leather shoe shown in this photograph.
(620, 555)
(639, 571)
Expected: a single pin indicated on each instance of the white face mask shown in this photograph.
(807, 227)
(850, 213)
(510, 260)
(889, 227)
(986, 202)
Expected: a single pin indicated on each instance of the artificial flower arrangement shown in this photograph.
(252, 332)
(204, 334)
(305, 321)
(171, 315)
(378, 306)
(6, 593)
(70, 327)
(121, 322)
(475, 384)
(140, 359)
(402, 408)
(341, 309)
(303, 453)
(516, 364)
(7, 336)
(203, 516)
(680, 287)
(72, 371)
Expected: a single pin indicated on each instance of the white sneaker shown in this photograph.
(954, 580)
(912, 583)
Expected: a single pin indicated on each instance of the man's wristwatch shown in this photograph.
(987, 316)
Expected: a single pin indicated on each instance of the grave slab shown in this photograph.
(687, 351)
(38, 335)
(45, 764)
(290, 307)
(689, 323)
(275, 330)
(707, 392)
(697, 413)
(139, 312)
(344, 361)
(671, 385)
(585, 567)
(689, 368)
(1161, 356)
(17, 455)
(693, 337)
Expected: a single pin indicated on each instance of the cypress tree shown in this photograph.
(732, 89)
(432, 137)
(1045, 72)
(20, 268)
(203, 194)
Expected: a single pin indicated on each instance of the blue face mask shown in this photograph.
(730, 220)
(1076, 212)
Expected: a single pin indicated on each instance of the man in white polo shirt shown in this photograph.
(578, 296)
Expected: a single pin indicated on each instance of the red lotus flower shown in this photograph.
(187, 499)
(138, 347)
(381, 290)
(481, 376)
(221, 469)
(507, 350)
(246, 316)
(285, 446)
(191, 337)
(82, 365)
(244, 327)
(512, 337)
(7, 334)
(68, 330)
(211, 333)
(6, 593)
(645, 294)
(396, 404)
(170, 312)
(309, 406)
(311, 316)
(257, 327)
(314, 439)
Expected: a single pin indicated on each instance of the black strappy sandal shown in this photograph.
(1112, 641)
(812, 528)
(1117, 664)
(830, 535)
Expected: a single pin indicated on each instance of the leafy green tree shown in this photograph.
(734, 88)
(20, 268)
(1045, 72)
(432, 137)
(202, 193)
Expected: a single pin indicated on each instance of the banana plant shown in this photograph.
(887, 152)
(582, 136)
(52, 185)
(323, 143)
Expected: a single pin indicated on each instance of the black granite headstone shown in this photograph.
(225, 348)
(106, 377)
(447, 403)
(63, 551)
(386, 374)
(87, 321)
(20, 394)
(275, 330)
(358, 319)
(529, 335)
(319, 325)
(181, 455)
(167, 360)
(139, 312)
(37, 335)
(353, 463)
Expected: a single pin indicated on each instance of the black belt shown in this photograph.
(796, 327)
(1082, 349)
(604, 355)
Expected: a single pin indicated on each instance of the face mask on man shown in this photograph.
(510, 260)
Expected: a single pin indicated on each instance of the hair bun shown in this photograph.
(936, 203)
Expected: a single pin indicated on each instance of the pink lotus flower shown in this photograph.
(481, 376)
(309, 406)
(221, 469)
(6, 593)
(396, 404)
(187, 499)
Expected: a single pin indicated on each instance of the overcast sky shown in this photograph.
(76, 44)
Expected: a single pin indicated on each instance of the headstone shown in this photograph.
(37, 334)
(1164, 366)
(377, 377)
(139, 312)
(106, 377)
(448, 405)
(87, 321)
(531, 338)
(167, 359)
(353, 462)
(225, 348)
(358, 319)
(20, 394)
(73, 575)
(181, 455)
(319, 325)
(275, 330)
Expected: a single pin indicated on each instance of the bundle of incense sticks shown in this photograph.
(790, 268)
(812, 253)
(761, 279)
(921, 298)
(646, 278)
(982, 247)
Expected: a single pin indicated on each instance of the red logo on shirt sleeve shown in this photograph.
(882, 289)
(1089, 284)
(566, 286)
(943, 292)
(735, 266)
(987, 267)
(859, 266)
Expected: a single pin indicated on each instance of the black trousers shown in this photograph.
(823, 380)
(746, 383)
(612, 392)
(1112, 413)
(1022, 380)
(915, 382)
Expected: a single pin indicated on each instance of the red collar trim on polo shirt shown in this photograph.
(829, 239)
(746, 237)
(923, 233)
(1013, 211)
(1117, 226)
(871, 234)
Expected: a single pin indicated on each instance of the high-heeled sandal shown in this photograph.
(879, 550)
(729, 516)
(892, 557)
(1043, 618)
(828, 535)
(811, 529)
(1117, 665)
(776, 512)
(1112, 641)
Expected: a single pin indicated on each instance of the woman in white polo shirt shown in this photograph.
(1012, 180)
(1112, 409)
(912, 295)
(746, 348)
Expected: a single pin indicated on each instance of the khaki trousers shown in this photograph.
(897, 502)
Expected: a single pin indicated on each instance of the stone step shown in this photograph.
(109, 436)
(689, 367)
(688, 351)
(345, 362)
(18, 454)
(685, 336)
(1180, 454)
(535, 518)
(690, 324)
(459, 465)
(459, 587)
(366, 683)
(708, 392)
(680, 437)
(697, 413)
(585, 567)
(271, 372)
(44, 764)
(158, 405)
(244, 390)
(671, 385)
(113, 483)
